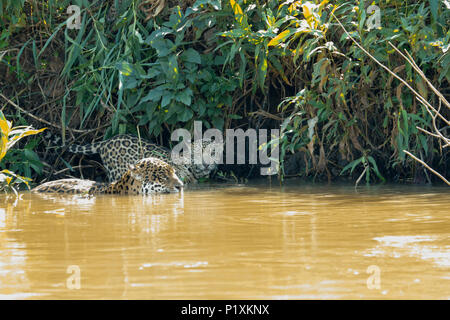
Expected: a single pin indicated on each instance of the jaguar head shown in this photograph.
(155, 176)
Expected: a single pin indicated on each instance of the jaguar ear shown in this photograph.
(131, 166)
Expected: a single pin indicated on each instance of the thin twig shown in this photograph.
(71, 169)
(375, 59)
(420, 72)
(362, 174)
(427, 132)
(427, 166)
(45, 121)
(427, 105)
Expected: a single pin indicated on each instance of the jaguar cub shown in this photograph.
(147, 176)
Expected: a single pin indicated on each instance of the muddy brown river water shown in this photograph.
(254, 241)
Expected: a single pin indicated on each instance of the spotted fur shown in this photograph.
(147, 176)
(120, 151)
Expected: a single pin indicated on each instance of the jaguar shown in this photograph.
(147, 176)
(121, 150)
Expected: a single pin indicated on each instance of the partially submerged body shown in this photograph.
(147, 176)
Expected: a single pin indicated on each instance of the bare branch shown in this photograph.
(427, 166)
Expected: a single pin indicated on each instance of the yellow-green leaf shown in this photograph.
(308, 14)
(5, 125)
(28, 133)
(322, 4)
(3, 146)
(238, 13)
(264, 65)
(306, 11)
(279, 38)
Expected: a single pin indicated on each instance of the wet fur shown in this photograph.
(149, 175)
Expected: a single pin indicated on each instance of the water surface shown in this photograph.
(255, 241)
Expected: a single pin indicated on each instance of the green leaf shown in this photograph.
(192, 56)
(375, 168)
(423, 142)
(173, 67)
(184, 96)
(218, 122)
(214, 3)
(352, 165)
(262, 70)
(362, 18)
(152, 72)
(434, 5)
(31, 155)
(162, 46)
(166, 99)
(125, 68)
(186, 115)
(153, 95)
(242, 67)
(158, 34)
(130, 83)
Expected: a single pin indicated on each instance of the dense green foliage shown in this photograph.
(9, 136)
(237, 63)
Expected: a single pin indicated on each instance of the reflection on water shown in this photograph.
(229, 242)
